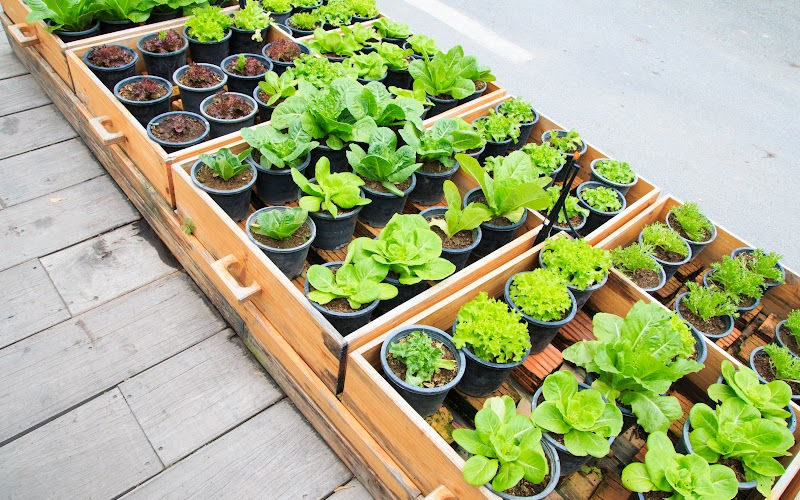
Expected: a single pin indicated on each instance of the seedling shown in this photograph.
(457, 219)
(603, 199)
(616, 171)
(226, 164)
(277, 87)
(742, 383)
(208, 24)
(517, 109)
(336, 13)
(331, 192)
(634, 257)
(696, 225)
(279, 224)
(364, 8)
(578, 263)
(383, 161)
(421, 357)
(545, 157)
(283, 50)
(785, 365)
(497, 128)
(568, 143)
(423, 45)
(447, 137)
(765, 264)
(279, 150)
(277, 5)
(541, 294)
(393, 56)
(793, 324)
(331, 42)
(370, 66)
(164, 42)
(67, 15)
(109, 56)
(187, 226)
(252, 17)
(708, 302)
(491, 331)
(736, 279)
(359, 284)
(439, 75)
(658, 234)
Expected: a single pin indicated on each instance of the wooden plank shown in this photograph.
(54, 370)
(9, 64)
(44, 225)
(107, 266)
(58, 166)
(30, 302)
(94, 451)
(353, 490)
(32, 129)
(194, 397)
(258, 457)
(19, 94)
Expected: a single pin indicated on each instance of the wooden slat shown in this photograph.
(350, 491)
(9, 64)
(32, 129)
(19, 94)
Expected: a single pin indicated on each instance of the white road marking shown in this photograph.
(469, 27)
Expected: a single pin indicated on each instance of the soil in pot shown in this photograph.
(178, 128)
(495, 221)
(299, 237)
(789, 341)
(110, 56)
(644, 278)
(252, 67)
(199, 77)
(143, 90)
(163, 53)
(440, 378)
(207, 177)
(714, 326)
(283, 51)
(674, 224)
(672, 257)
(377, 186)
(525, 488)
(461, 239)
(227, 106)
(763, 366)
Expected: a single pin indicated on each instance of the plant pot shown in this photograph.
(482, 378)
(441, 105)
(344, 322)
(279, 66)
(670, 268)
(493, 236)
(791, 420)
(686, 446)
(555, 474)
(430, 186)
(741, 309)
(171, 147)
(264, 109)
(755, 352)
(425, 401)
(404, 293)
(458, 256)
(234, 202)
(71, 36)
(769, 286)
(144, 111)
(333, 233)
(297, 32)
(699, 346)
(300, 8)
(581, 296)
(245, 84)
(111, 26)
(191, 97)
(525, 130)
(779, 336)
(289, 260)
(562, 133)
(208, 52)
(400, 78)
(407, 46)
(596, 177)
(695, 246)
(541, 332)
(567, 229)
(727, 318)
(275, 185)
(361, 19)
(163, 65)
(364, 81)
(242, 41)
(494, 148)
(394, 41)
(280, 17)
(337, 157)
(111, 76)
(474, 95)
(221, 126)
(597, 217)
(384, 205)
(157, 16)
(662, 281)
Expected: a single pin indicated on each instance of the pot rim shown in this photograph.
(594, 184)
(336, 314)
(228, 34)
(477, 234)
(664, 262)
(210, 118)
(163, 82)
(546, 135)
(221, 191)
(661, 283)
(493, 227)
(95, 26)
(446, 173)
(303, 50)
(555, 476)
(258, 77)
(95, 67)
(548, 324)
(213, 67)
(728, 319)
(617, 185)
(308, 222)
(713, 231)
(157, 54)
(179, 144)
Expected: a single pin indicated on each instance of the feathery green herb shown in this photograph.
(658, 234)
(708, 302)
(634, 257)
(422, 358)
(696, 225)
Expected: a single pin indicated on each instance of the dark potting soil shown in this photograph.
(714, 326)
(109, 56)
(209, 178)
(377, 186)
(665, 256)
(252, 67)
(495, 221)
(461, 239)
(645, 278)
(283, 51)
(177, 128)
(764, 368)
(525, 488)
(735, 466)
(440, 378)
(299, 237)
(748, 259)
(433, 167)
(143, 90)
(229, 107)
(263, 97)
(656, 495)
(479, 85)
(199, 77)
(677, 226)
(339, 305)
(575, 221)
(789, 341)
(472, 151)
(164, 43)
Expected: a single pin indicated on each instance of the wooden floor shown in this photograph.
(117, 377)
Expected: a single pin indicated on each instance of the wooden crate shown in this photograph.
(427, 458)
(116, 125)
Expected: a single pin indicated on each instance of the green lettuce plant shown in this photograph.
(278, 87)
(393, 56)
(136, 11)
(633, 257)
(658, 234)
(686, 477)
(568, 143)
(615, 171)
(505, 446)
(765, 264)
(336, 13)
(457, 219)
(364, 8)
(447, 137)
(517, 109)
(636, 359)
(708, 302)
(785, 364)
(319, 71)
(492, 331)
(304, 3)
(306, 21)
(370, 66)
(374, 100)
(208, 24)
(423, 44)
(279, 6)
(570, 203)
(252, 17)
(383, 161)
(541, 294)
(277, 149)
(408, 246)
(545, 157)
(737, 431)
(279, 224)
(793, 324)
(471, 69)
(497, 128)
(361, 32)
(359, 283)
(331, 42)
(440, 76)
(696, 225)
(584, 418)
(602, 198)
(578, 263)
(331, 192)
(67, 15)
(417, 93)
(391, 29)
(421, 358)
(733, 276)
(769, 399)
(226, 164)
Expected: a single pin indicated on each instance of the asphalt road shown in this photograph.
(699, 96)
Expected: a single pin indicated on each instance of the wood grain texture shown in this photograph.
(44, 225)
(94, 451)
(58, 368)
(258, 459)
(19, 94)
(353, 490)
(30, 302)
(57, 167)
(35, 128)
(192, 398)
(9, 64)
(107, 266)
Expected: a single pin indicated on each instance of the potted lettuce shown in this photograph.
(613, 173)
(228, 180)
(576, 215)
(692, 225)
(773, 362)
(767, 264)
(603, 203)
(569, 142)
(708, 310)
(787, 332)
(636, 262)
(744, 286)
(669, 249)
(208, 30)
(581, 266)
(499, 131)
(284, 234)
(249, 29)
(442, 79)
(522, 112)
(397, 61)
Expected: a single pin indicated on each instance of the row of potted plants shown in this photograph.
(303, 16)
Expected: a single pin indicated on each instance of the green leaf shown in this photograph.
(279, 224)
(582, 443)
(479, 470)
(508, 476)
(547, 416)
(470, 440)
(653, 412)
(635, 478)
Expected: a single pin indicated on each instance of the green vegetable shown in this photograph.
(331, 191)
(279, 6)
(208, 24)
(305, 21)
(687, 477)
(67, 15)
(737, 431)
(423, 45)
(408, 246)
(319, 71)
(541, 294)
(708, 302)
(696, 225)
(793, 324)
(277, 149)
(584, 419)
(226, 164)
(370, 66)
(359, 283)
(364, 8)
(471, 69)
(375, 101)
(514, 187)
(492, 331)
(384, 161)
(447, 137)
(658, 234)
(545, 157)
(765, 264)
(578, 263)
(637, 358)
(634, 257)
(392, 29)
(602, 198)
(769, 399)
(331, 42)
(393, 56)
(570, 203)
(497, 128)
(252, 17)
(279, 224)
(517, 109)
(570, 142)
(616, 171)
(136, 11)
(278, 87)
(361, 32)
(785, 364)
(417, 93)
(506, 447)
(304, 3)
(441, 75)
(733, 276)
(186, 5)
(336, 13)
(457, 219)
(422, 358)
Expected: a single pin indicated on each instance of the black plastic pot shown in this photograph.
(670, 268)
(297, 32)
(596, 177)
(301, 8)
(157, 16)
(333, 233)
(425, 401)
(695, 246)
(458, 256)
(71, 36)
(111, 76)
(400, 78)
(242, 41)
(791, 420)
(163, 65)
(688, 449)
(493, 236)
(525, 130)
(753, 354)
(208, 52)
(779, 337)
(482, 378)
(337, 157)
(280, 17)
(430, 186)
(361, 19)
(144, 111)
(289, 260)
(699, 346)
(769, 286)
(441, 105)
(245, 84)
(364, 81)
(235, 202)
(707, 281)
(220, 126)
(494, 148)
(394, 41)
(280, 66)
(728, 321)
(345, 323)
(562, 133)
(404, 293)
(171, 147)
(596, 217)
(555, 474)
(541, 332)
(581, 296)
(191, 98)
(264, 109)
(275, 185)
(384, 205)
(110, 26)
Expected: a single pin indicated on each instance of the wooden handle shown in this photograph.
(106, 137)
(16, 32)
(441, 493)
(240, 292)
